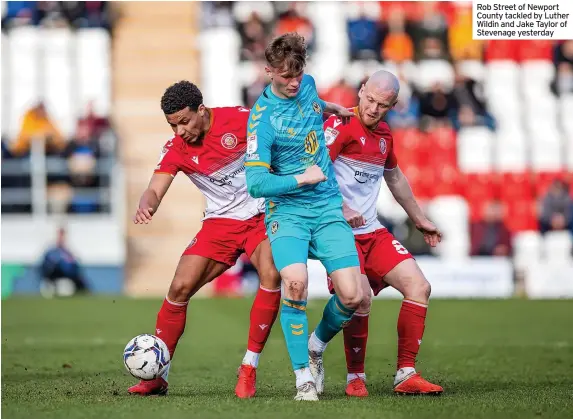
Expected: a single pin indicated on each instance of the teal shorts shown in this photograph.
(297, 234)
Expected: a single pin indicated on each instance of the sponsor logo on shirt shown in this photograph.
(330, 135)
(311, 143)
(363, 177)
(252, 144)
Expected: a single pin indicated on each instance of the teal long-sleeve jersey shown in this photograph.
(285, 136)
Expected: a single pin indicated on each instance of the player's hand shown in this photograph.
(344, 114)
(143, 216)
(354, 218)
(313, 175)
(432, 235)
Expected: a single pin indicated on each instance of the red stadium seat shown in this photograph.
(447, 180)
(516, 186)
(521, 215)
(442, 146)
(478, 189)
(534, 50)
(501, 50)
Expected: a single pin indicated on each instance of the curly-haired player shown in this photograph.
(209, 148)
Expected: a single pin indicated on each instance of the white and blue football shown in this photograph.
(146, 357)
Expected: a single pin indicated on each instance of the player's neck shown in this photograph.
(278, 94)
(207, 120)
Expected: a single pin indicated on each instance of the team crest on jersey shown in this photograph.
(229, 141)
(330, 135)
(274, 227)
(311, 143)
(316, 107)
(382, 145)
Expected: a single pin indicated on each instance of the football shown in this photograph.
(146, 357)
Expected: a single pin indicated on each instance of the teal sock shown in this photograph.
(334, 318)
(295, 328)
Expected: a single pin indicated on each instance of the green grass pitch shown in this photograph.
(506, 359)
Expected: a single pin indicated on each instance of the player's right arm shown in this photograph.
(261, 183)
(166, 170)
(151, 198)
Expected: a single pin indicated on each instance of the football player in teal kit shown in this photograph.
(288, 164)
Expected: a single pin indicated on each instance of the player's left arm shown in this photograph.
(402, 192)
(338, 110)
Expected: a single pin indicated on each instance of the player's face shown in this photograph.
(285, 84)
(187, 124)
(374, 104)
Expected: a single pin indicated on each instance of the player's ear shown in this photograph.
(201, 110)
(269, 72)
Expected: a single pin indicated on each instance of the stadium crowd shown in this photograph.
(76, 163)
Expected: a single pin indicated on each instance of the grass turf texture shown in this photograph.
(62, 359)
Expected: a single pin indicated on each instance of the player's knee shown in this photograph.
(270, 278)
(365, 304)
(418, 289)
(353, 299)
(180, 291)
(295, 289)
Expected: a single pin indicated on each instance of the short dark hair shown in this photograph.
(287, 52)
(180, 95)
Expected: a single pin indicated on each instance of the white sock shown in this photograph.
(166, 372)
(353, 376)
(403, 373)
(303, 375)
(251, 358)
(315, 344)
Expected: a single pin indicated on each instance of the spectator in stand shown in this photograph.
(490, 236)
(431, 32)
(254, 35)
(215, 14)
(292, 21)
(96, 125)
(36, 126)
(59, 265)
(397, 46)
(564, 63)
(365, 38)
(462, 46)
(436, 107)
(20, 13)
(251, 93)
(556, 208)
(470, 108)
(406, 113)
(341, 93)
(84, 140)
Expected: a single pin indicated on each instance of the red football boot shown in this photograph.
(157, 387)
(415, 384)
(246, 384)
(356, 388)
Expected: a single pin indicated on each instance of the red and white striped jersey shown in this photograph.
(360, 157)
(217, 166)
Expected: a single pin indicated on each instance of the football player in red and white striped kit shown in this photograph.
(209, 148)
(363, 154)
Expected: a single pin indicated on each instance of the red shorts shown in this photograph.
(379, 252)
(224, 239)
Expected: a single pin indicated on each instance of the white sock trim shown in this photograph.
(361, 314)
(414, 303)
(303, 375)
(268, 290)
(175, 303)
(251, 358)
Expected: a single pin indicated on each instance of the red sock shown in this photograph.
(171, 323)
(411, 324)
(355, 338)
(263, 314)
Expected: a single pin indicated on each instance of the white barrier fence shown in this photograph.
(472, 278)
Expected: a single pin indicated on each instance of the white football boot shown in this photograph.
(307, 392)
